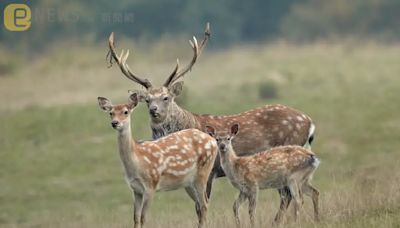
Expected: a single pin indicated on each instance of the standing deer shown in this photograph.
(262, 128)
(181, 160)
(284, 166)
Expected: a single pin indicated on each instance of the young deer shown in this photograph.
(284, 166)
(180, 160)
(261, 128)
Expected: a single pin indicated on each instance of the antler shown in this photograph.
(176, 74)
(121, 61)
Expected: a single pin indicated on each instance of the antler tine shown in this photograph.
(171, 76)
(121, 61)
(196, 53)
(207, 33)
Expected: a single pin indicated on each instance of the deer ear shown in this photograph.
(176, 88)
(234, 129)
(210, 130)
(141, 95)
(133, 100)
(104, 104)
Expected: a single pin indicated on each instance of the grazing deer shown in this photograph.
(262, 128)
(180, 160)
(279, 167)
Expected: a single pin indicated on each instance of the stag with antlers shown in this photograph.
(261, 128)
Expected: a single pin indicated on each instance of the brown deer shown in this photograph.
(279, 167)
(262, 128)
(181, 160)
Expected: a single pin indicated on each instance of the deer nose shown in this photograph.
(222, 146)
(153, 108)
(114, 123)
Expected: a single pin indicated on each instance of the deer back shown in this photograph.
(273, 168)
(263, 128)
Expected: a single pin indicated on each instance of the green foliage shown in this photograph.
(316, 19)
(233, 21)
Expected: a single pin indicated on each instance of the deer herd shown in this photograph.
(266, 147)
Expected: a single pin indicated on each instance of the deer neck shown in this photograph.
(176, 120)
(228, 160)
(127, 150)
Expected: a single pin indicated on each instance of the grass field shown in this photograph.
(58, 153)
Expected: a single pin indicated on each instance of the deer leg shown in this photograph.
(191, 192)
(294, 191)
(210, 181)
(137, 209)
(200, 191)
(216, 172)
(147, 196)
(236, 205)
(285, 198)
(309, 190)
(252, 206)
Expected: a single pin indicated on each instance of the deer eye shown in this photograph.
(126, 112)
(147, 100)
(111, 114)
(166, 98)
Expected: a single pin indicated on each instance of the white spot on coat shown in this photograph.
(208, 145)
(147, 159)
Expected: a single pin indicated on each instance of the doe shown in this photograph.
(180, 160)
(279, 167)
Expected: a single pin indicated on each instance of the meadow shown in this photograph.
(59, 165)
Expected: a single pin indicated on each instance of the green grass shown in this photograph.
(58, 153)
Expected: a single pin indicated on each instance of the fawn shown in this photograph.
(180, 160)
(279, 167)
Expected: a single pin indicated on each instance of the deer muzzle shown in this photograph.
(114, 124)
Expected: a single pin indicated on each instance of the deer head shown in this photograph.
(120, 114)
(223, 138)
(158, 99)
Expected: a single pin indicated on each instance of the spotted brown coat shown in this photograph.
(279, 167)
(180, 160)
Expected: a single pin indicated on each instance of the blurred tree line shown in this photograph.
(232, 21)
